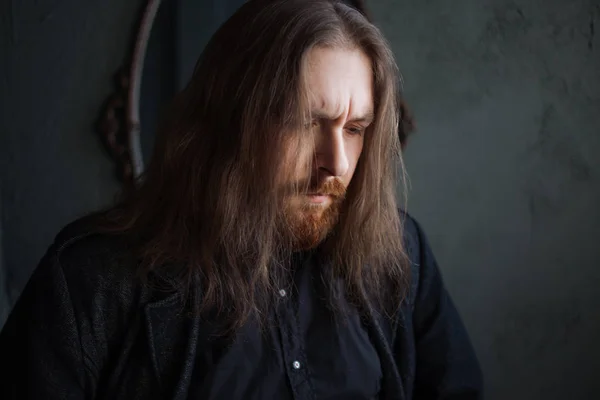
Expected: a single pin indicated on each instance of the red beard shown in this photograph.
(310, 223)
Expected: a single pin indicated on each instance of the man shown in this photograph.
(263, 255)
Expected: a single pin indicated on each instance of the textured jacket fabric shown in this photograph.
(85, 327)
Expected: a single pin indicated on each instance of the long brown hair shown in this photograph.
(209, 201)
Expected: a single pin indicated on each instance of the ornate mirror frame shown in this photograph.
(119, 121)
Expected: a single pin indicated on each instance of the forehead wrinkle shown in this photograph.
(350, 113)
(334, 99)
(329, 110)
(366, 113)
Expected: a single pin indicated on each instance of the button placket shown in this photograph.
(293, 352)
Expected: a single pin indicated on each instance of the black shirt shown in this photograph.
(305, 351)
(85, 327)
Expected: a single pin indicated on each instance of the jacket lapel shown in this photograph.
(172, 334)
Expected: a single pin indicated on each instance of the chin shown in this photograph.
(314, 209)
(311, 227)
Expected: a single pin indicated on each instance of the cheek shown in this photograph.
(297, 160)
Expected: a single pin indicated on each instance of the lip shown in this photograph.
(318, 198)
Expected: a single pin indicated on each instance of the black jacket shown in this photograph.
(85, 328)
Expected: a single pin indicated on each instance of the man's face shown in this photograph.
(340, 84)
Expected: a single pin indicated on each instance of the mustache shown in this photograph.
(331, 187)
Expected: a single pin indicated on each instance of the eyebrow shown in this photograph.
(368, 117)
(365, 118)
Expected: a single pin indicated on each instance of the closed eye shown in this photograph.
(355, 130)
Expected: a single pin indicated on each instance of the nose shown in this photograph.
(332, 158)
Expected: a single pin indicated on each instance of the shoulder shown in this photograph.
(80, 299)
(81, 242)
(423, 266)
(413, 236)
(93, 264)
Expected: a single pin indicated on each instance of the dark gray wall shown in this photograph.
(56, 68)
(196, 22)
(505, 178)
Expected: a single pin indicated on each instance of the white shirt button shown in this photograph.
(282, 293)
(296, 365)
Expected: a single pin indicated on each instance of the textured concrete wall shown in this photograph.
(505, 175)
(56, 67)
